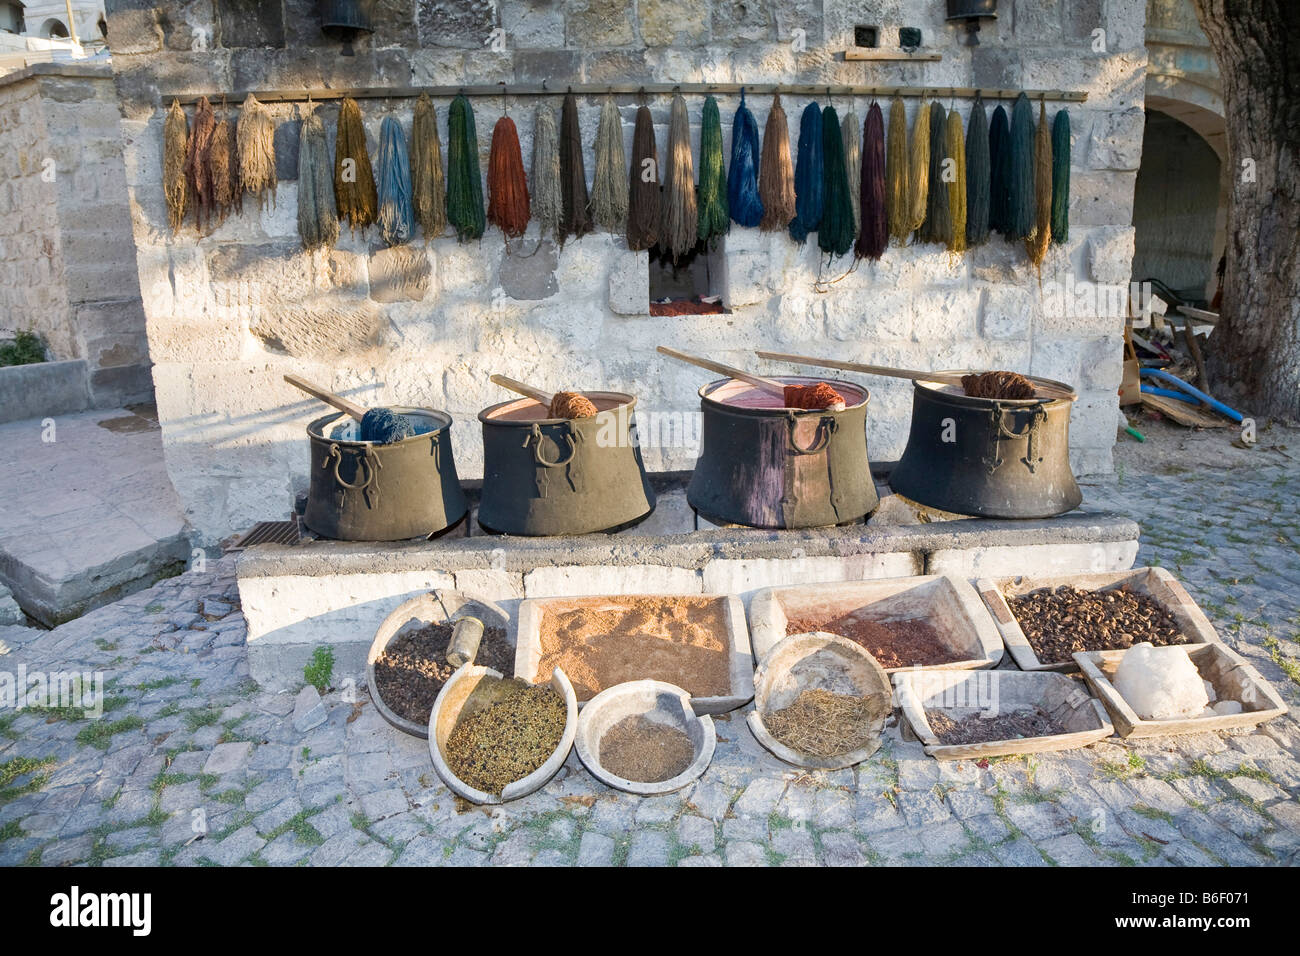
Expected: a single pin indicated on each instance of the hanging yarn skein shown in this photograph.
(714, 217)
(428, 188)
(1061, 177)
(198, 169)
(897, 200)
(873, 236)
(318, 221)
(835, 231)
(679, 222)
(955, 150)
(918, 178)
(354, 180)
(851, 138)
(507, 184)
(1020, 184)
(937, 226)
(255, 137)
(573, 173)
(809, 175)
(743, 199)
(609, 187)
(643, 184)
(1000, 172)
(396, 216)
(776, 171)
(547, 197)
(176, 147)
(977, 176)
(1037, 242)
(224, 168)
(464, 179)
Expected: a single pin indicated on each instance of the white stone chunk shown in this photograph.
(1160, 683)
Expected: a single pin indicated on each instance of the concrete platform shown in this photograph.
(90, 514)
(337, 593)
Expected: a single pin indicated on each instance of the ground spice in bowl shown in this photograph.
(978, 729)
(646, 751)
(911, 642)
(1059, 621)
(822, 724)
(413, 667)
(508, 739)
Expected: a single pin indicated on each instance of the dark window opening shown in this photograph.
(909, 38)
(866, 36)
(690, 286)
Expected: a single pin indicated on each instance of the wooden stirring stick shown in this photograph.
(766, 384)
(948, 378)
(328, 397)
(528, 391)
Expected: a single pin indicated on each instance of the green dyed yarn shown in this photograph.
(715, 218)
(465, 209)
(937, 226)
(1061, 177)
(1020, 187)
(836, 231)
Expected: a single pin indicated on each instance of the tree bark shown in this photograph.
(1256, 346)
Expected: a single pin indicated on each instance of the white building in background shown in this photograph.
(41, 30)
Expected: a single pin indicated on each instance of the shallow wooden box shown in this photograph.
(528, 646)
(1156, 583)
(948, 603)
(1233, 679)
(963, 693)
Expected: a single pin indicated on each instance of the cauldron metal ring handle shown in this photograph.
(825, 428)
(365, 461)
(535, 439)
(1037, 416)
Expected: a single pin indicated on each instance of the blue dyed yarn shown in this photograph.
(383, 426)
(742, 178)
(808, 175)
(1020, 184)
(999, 171)
(396, 217)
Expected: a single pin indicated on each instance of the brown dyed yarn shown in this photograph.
(176, 145)
(224, 165)
(820, 395)
(571, 405)
(776, 171)
(1011, 385)
(354, 187)
(428, 187)
(1036, 243)
(643, 185)
(198, 169)
(255, 143)
(507, 185)
(576, 215)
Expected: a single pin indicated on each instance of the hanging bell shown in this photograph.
(345, 20)
(971, 11)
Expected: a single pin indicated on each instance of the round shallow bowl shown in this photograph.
(469, 690)
(436, 607)
(655, 700)
(807, 661)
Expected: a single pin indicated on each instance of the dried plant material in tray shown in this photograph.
(1061, 620)
(1231, 676)
(1155, 585)
(645, 751)
(822, 724)
(696, 642)
(910, 642)
(1020, 724)
(509, 738)
(413, 667)
(959, 698)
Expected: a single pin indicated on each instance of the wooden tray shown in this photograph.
(950, 604)
(528, 646)
(1233, 679)
(1065, 698)
(1156, 583)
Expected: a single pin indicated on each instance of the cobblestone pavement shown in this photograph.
(190, 744)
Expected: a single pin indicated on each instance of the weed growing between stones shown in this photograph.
(320, 669)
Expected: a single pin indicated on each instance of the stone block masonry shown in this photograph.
(229, 313)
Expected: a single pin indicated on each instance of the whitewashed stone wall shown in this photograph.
(67, 263)
(230, 313)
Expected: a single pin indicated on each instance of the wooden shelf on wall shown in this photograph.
(861, 53)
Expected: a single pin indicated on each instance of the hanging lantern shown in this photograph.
(972, 11)
(345, 20)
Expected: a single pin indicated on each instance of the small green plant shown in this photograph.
(320, 669)
(25, 349)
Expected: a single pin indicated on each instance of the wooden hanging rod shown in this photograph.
(629, 89)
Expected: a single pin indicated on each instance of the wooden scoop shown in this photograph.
(771, 386)
(947, 378)
(537, 395)
(328, 397)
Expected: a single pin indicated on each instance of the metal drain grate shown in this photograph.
(268, 532)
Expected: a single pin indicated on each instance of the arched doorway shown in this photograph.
(54, 29)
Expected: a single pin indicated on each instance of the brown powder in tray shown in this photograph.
(413, 667)
(1059, 621)
(976, 729)
(600, 642)
(644, 750)
(905, 643)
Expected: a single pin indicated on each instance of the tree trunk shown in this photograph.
(1256, 347)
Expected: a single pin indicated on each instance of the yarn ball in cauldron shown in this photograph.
(572, 405)
(1009, 385)
(820, 395)
(383, 426)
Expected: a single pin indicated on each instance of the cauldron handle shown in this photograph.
(1037, 416)
(367, 461)
(825, 428)
(535, 439)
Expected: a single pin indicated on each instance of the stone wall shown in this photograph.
(231, 312)
(67, 263)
